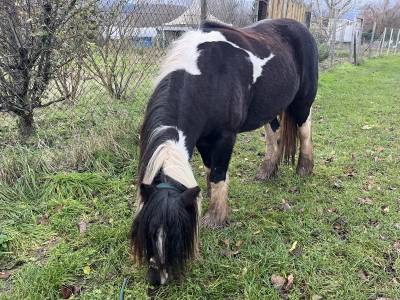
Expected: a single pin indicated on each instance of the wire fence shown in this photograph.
(342, 40)
(71, 76)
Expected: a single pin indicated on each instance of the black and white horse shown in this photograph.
(214, 83)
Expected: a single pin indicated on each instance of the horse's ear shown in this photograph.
(189, 197)
(145, 191)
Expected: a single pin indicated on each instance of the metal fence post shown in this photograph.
(371, 43)
(390, 41)
(203, 10)
(383, 42)
(351, 44)
(397, 41)
(359, 39)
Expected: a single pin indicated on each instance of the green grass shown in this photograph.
(346, 248)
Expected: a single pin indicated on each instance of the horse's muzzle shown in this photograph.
(157, 276)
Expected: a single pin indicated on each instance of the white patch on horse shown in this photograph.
(160, 248)
(181, 143)
(163, 276)
(184, 54)
(160, 244)
(305, 137)
(173, 157)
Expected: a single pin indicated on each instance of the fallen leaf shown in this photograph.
(5, 275)
(285, 205)
(294, 246)
(338, 184)
(363, 275)
(316, 297)
(383, 237)
(43, 219)
(87, 270)
(385, 209)
(229, 253)
(66, 291)
(380, 149)
(396, 246)
(277, 281)
(365, 200)
(289, 283)
(226, 242)
(82, 227)
(329, 160)
(332, 210)
(239, 243)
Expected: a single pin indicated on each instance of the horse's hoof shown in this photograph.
(212, 221)
(305, 166)
(267, 170)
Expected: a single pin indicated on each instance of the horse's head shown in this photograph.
(164, 232)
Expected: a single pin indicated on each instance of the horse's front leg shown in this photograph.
(218, 211)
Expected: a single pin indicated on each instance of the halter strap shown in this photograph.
(167, 186)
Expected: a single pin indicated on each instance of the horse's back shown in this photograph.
(300, 40)
(296, 53)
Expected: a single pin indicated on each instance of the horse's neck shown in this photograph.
(172, 158)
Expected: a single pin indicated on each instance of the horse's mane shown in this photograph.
(162, 144)
(215, 25)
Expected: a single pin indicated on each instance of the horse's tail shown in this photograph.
(288, 137)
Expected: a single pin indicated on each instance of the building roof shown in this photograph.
(191, 17)
(154, 15)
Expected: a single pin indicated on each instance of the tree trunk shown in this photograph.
(26, 125)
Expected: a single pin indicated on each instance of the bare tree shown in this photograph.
(385, 13)
(36, 40)
(109, 59)
(236, 12)
(70, 80)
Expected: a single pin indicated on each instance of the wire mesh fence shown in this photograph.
(108, 70)
(76, 72)
(343, 40)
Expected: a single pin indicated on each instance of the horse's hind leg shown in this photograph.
(218, 211)
(305, 164)
(270, 163)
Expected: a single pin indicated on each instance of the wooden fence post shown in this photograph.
(307, 18)
(390, 41)
(284, 8)
(332, 47)
(263, 12)
(203, 10)
(371, 43)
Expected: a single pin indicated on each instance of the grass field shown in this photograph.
(336, 233)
